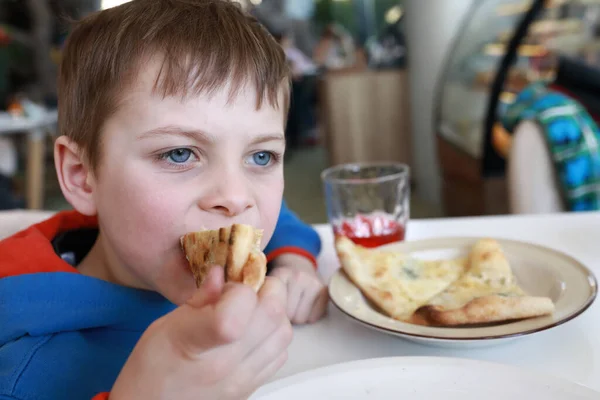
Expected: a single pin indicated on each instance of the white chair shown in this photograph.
(531, 178)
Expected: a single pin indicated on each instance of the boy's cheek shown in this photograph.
(146, 214)
(144, 223)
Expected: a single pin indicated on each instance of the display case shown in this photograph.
(501, 47)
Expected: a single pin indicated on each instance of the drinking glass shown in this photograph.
(368, 202)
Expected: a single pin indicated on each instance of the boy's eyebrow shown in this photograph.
(273, 137)
(203, 136)
(175, 130)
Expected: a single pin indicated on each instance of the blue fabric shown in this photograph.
(292, 232)
(573, 140)
(67, 336)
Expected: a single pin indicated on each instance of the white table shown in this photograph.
(571, 351)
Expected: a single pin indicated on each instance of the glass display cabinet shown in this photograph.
(501, 47)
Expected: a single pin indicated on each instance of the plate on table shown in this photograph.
(540, 271)
(420, 378)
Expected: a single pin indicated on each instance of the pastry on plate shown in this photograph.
(478, 289)
(396, 283)
(487, 292)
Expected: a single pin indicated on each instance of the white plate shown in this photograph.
(420, 378)
(539, 270)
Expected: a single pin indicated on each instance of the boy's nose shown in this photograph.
(229, 209)
(228, 198)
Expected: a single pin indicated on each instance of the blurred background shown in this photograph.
(435, 84)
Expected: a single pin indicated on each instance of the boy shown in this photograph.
(172, 114)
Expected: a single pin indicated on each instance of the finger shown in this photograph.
(294, 299)
(269, 315)
(256, 379)
(230, 286)
(194, 330)
(282, 274)
(210, 290)
(319, 308)
(270, 349)
(307, 301)
(273, 288)
(271, 369)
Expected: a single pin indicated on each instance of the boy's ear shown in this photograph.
(74, 175)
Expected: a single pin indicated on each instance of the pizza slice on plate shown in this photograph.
(394, 282)
(486, 293)
(236, 248)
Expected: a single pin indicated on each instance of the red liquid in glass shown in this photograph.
(371, 231)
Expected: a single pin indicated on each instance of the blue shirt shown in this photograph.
(64, 335)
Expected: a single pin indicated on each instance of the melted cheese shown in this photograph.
(400, 285)
(394, 281)
(488, 274)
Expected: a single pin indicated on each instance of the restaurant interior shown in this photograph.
(374, 84)
(488, 111)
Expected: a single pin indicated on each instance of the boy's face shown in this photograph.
(171, 166)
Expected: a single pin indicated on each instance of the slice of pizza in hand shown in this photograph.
(393, 281)
(236, 248)
(486, 293)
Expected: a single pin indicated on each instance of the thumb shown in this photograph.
(210, 290)
(216, 315)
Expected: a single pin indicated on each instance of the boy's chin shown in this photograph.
(178, 285)
(179, 294)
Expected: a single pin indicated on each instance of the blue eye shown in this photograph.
(179, 156)
(262, 158)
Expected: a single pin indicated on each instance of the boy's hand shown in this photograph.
(224, 343)
(307, 295)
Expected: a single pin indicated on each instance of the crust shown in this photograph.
(255, 270)
(201, 250)
(236, 248)
(243, 241)
(488, 258)
(488, 309)
(353, 267)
